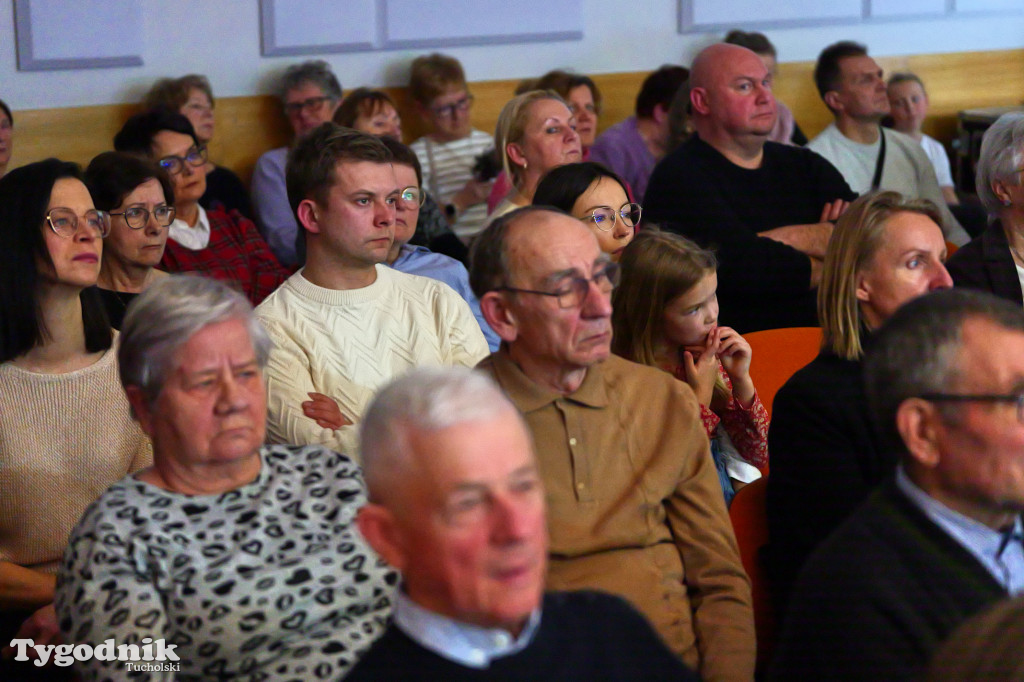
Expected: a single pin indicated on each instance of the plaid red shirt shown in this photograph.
(236, 254)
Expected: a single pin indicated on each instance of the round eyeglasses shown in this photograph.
(604, 216)
(413, 195)
(137, 216)
(65, 223)
(195, 157)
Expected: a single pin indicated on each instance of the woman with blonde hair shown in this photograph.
(665, 314)
(535, 133)
(826, 454)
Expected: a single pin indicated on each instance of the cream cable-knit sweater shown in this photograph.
(64, 439)
(349, 343)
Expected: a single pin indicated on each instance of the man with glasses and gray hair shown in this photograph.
(310, 93)
(941, 540)
(346, 324)
(634, 504)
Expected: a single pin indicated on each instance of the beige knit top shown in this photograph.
(64, 438)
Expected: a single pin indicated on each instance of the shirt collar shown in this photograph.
(984, 543)
(468, 645)
(405, 251)
(528, 395)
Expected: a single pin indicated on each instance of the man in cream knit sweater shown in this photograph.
(345, 325)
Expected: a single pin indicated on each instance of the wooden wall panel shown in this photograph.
(248, 126)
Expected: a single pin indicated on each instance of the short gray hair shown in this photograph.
(915, 351)
(1002, 154)
(426, 399)
(166, 315)
(316, 71)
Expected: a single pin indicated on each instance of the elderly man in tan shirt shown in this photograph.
(634, 504)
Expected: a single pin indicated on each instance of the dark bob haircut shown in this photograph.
(137, 133)
(404, 156)
(24, 197)
(7, 110)
(562, 186)
(112, 176)
(361, 102)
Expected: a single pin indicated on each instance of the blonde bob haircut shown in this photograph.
(511, 128)
(656, 268)
(856, 239)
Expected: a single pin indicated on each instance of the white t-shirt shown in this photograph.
(940, 160)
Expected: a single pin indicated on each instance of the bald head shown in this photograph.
(731, 97)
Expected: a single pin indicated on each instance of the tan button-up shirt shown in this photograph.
(635, 507)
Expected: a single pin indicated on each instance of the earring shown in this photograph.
(1006, 202)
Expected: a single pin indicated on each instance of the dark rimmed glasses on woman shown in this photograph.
(195, 157)
(604, 216)
(137, 216)
(65, 223)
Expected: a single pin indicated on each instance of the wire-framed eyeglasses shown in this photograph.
(574, 292)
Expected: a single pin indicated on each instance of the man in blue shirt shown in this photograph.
(942, 540)
(457, 505)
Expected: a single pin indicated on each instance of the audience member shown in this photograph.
(786, 130)
(665, 314)
(634, 505)
(449, 152)
(6, 136)
(598, 197)
(192, 97)
(65, 428)
(582, 97)
(309, 93)
(244, 556)
(986, 648)
(138, 197)
(373, 112)
(419, 260)
(214, 243)
(457, 504)
(632, 147)
(346, 324)
(939, 541)
(868, 155)
(908, 103)
(767, 208)
(993, 261)
(826, 454)
(536, 132)
(679, 126)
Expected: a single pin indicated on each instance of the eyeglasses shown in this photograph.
(449, 110)
(575, 292)
(313, 104)
(137, 216)
(65, 223)
(413, 195)
(200, 108)
(1012, 398)
(195, 157)
(604, 216)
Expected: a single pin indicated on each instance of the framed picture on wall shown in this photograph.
(85, 34)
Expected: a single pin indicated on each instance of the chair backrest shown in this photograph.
(749, 523)
(777, 355)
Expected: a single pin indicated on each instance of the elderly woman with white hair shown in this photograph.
(245, 556)
(994, 261)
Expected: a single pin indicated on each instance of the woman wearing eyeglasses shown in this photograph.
(65, 428)
(595, 195)
(138, 197)
(215, 243)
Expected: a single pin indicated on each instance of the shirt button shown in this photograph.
(581, 486)
(572, 441)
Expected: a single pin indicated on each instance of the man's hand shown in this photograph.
(473, 193)
(41, 627)
(833, 210)
(325, 411)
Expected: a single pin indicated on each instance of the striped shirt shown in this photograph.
(447, 167)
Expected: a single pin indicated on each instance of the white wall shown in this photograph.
(221, 39)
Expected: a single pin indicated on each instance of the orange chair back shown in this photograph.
(777, 355)
(751, 527)
(951, 248)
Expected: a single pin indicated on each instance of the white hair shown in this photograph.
(1001, 158)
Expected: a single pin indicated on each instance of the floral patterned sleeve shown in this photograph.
(747, 426)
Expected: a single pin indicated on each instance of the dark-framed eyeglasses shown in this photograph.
(311, 103)
(413, 195)
(137, 216)
(65, 223)
(458, 106)
(574, 292)
(604, 216)
(195, 157)
(1010, 398)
